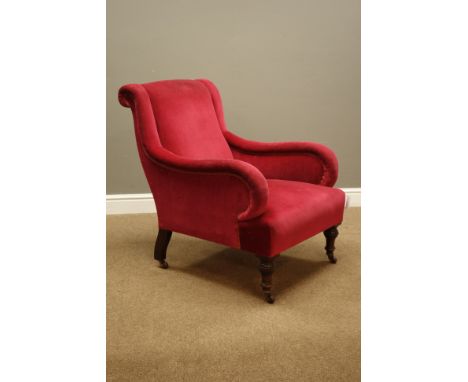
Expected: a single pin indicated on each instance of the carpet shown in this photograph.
(204, 318)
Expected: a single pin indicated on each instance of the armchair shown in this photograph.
(209, 183)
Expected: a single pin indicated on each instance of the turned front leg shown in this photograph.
(160, 248)
(266, 270)
(330, 235)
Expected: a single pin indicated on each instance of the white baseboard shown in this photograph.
(144, 203)
(130, 204)
(353, 197)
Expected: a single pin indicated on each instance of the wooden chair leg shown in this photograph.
(266, 270)
(331, 234)
(160, 248)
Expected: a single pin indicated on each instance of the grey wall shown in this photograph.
(287, 70)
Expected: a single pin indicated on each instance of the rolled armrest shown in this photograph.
(243, 177)
(300, 161)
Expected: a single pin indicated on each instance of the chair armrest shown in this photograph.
(300, 161)
(235, 180)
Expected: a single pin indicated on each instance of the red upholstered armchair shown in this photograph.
(211, 184)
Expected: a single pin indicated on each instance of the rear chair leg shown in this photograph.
(331, 234)
(160, 248)
(266, 270)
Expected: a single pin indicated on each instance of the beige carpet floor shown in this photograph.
(204, 318)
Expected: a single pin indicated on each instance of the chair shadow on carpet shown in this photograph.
(237, 269)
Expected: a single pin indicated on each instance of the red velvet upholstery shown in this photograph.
(295, 211)
(209, 183)
(186, 120)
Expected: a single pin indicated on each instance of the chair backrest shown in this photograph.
(186, 119)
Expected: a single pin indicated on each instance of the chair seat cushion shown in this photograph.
(295, 212)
